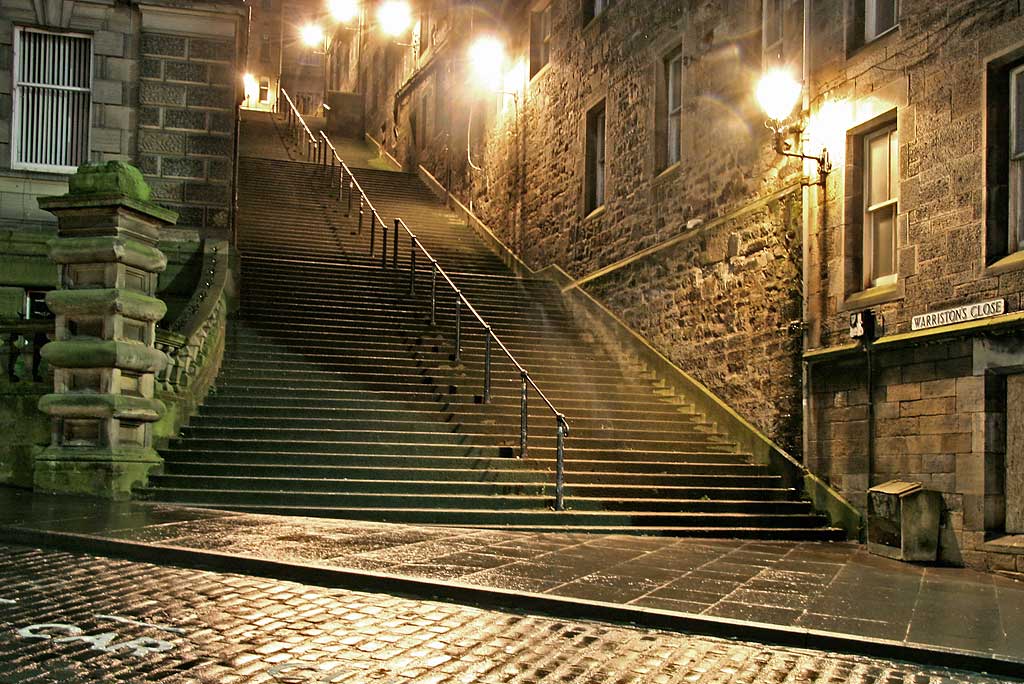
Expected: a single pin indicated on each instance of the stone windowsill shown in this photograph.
(668, 173)
(872, 296)
(1007, 543)
(595, 214)
(1013, 262)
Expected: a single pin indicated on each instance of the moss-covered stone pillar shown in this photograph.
(103, 354)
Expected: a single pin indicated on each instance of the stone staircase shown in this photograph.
(338, 398)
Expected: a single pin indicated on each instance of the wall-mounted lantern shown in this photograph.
(778, 93)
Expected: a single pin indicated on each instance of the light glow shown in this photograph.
(487, 57)
(828, 126)
(343, 10)
(252, 87)
(312, 35)
(777, 93)
(394, 17)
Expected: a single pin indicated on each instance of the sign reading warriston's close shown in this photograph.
(961, 314)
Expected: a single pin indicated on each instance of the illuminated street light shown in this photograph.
(343, 11)
(777, 93)
(394, 17)
(252, 87)
(487, 56)
(312, 35)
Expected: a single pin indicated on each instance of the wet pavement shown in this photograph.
(77, 618)
(815, 588)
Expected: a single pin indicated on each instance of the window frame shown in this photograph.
(16, 98)
(673, 110)
(870, 33)
(870, 278)
(592, 9)
(1015, 166)
(596, 168)
(540, 39)
(772, 52)
(263, 89)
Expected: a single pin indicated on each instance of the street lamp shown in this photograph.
(394, 17)
(312, 35)
(777, 93)
(343, 11)
(487, 57)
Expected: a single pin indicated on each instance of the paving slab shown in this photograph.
(833, 593)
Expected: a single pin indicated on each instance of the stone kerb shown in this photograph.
(103, 353)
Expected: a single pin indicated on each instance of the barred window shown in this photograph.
(52, 96)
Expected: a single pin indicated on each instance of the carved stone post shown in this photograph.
(103, 352)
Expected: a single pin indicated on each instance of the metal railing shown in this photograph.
(331, 159)
(297, 126)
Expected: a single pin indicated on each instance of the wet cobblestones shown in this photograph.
(74, 618)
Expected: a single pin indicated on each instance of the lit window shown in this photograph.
(673, 106)
(771, 31)
(595, 176)
(264, 90)
(1016, 223)
(540, 39)
(880, 16)
(52, 95)
(881, 196)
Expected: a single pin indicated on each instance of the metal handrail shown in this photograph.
(561, 424)
(297, 125)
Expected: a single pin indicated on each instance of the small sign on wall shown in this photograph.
(961, 314)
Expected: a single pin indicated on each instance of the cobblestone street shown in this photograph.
(74, 618)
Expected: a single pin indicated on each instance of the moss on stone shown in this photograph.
(111, 178)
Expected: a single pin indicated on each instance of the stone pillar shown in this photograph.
(103, 353)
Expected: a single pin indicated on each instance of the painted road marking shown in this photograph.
(129, 621)
(7, 602)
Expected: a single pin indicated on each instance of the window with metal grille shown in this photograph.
(52, 95)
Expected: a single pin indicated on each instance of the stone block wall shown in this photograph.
(722, 302)
(187, 112)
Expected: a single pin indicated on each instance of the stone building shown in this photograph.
(624, 144)
(155, 83)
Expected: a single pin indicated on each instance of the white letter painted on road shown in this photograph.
(30, 632)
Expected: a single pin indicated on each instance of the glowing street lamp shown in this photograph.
(312, 35)
(394, 17)
(487, 57)
(343, 11)
(777, 93)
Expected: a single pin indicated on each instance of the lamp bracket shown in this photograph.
(783, 147)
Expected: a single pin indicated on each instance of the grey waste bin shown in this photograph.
(903, 521)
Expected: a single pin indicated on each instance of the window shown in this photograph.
(265, 47)
(52, 95)
(771, 32)
(593, 8)
(672, 85)
(540, 39)
(595, 158)
(268, 4)
(1015, 232)
(881, 195)
(880, 16)
(264, 90)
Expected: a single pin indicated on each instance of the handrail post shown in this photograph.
(360, 231)
(487, 365)
(433, 291)
(458, 326)
(394, 257)
(341, 181)
(383, 241)
(351, 184)
(560, 462)
(412, 266)
(523, 430)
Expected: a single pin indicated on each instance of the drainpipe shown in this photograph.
(805, 381)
